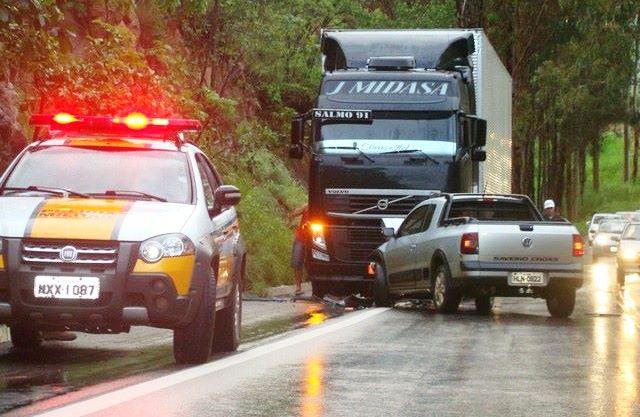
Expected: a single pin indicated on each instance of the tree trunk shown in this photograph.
(595, 156)
(625, 156)
(583, 171)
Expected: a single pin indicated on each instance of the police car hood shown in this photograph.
(90, 219)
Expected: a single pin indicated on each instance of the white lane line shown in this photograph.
(104, 401)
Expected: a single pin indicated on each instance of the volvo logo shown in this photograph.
(68, 254)
(383, 204)
(527, 242)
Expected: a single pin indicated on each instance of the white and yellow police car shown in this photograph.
(109, 222)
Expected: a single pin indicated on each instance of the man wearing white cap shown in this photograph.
(549, 213)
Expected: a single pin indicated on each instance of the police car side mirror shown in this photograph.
(389, 232)
(226, 196)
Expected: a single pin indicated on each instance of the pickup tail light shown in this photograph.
(578, 245)
(469, 244)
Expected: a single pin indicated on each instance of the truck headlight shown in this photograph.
(317, 235)
(166, 246)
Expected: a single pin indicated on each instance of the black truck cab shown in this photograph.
(387, 132)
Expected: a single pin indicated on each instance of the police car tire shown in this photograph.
(561, 302)
(226, 336)
(381, 295)
(24, 337)
(192, 342)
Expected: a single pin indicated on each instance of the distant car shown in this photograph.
(598, 218)
(607, 239)
(629, 252)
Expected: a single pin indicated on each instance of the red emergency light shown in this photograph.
(133, 122)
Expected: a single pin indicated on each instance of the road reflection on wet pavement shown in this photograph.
(411, 361)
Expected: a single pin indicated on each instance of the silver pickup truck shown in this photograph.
(482, 246)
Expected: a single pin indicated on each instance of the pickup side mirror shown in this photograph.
(227, 196)
(389, 232)
(478, 155)
(297, 132)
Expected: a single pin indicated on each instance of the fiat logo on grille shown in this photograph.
(383, 204)
(527, 242)
(68, 254)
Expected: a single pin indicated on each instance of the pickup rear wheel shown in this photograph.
(381, 295)
(484, 304)
(446, 297)
(25, 337)
(561, 302)
(192, 342)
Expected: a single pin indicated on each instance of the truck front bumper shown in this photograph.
(125, 299)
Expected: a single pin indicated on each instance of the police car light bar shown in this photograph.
(134, 121)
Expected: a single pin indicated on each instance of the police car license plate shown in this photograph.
(74, 288)
(527, 279)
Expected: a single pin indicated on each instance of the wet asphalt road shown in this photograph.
(410, 361)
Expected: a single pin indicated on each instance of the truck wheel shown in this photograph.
(621, 276)
(192, 343)
(446, 297)
(381, 295)
(226, 333)
(318, 288)
(561, 302)
(484, 304)
(25, 337)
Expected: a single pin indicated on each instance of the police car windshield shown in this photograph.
(94, 171)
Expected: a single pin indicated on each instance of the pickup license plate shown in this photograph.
(69, 288)
(527, 279)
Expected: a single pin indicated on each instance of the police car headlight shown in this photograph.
(166, 246)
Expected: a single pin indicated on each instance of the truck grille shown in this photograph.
(352, 204)
(104, 254)
(355, 244)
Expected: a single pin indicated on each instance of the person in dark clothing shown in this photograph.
(549, 212)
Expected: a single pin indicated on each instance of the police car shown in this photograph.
(109, 222)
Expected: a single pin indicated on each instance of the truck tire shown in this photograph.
(226, 333)
(561, 302)
(192, 342)
(484, 304)
(446, 297)
(381, 295)
(24, 337)
(620, 275)
(318, 288)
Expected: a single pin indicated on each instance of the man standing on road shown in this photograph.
(298, 251)
(550, 214)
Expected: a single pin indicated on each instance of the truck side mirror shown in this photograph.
(479, 132)
(297, 132)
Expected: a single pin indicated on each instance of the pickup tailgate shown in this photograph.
(526, 243)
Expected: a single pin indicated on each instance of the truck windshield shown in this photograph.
(489, 209)
(94, 171)
(430, 133)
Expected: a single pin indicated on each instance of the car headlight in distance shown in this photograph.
(601, 240)
(629, 254)
(166, 246)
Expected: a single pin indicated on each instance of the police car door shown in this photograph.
(225, 227)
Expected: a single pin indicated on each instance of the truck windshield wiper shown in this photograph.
(49, 190)
(353, 148)
(128, 193)
(430, 158)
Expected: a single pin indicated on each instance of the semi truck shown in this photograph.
(400, 115)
